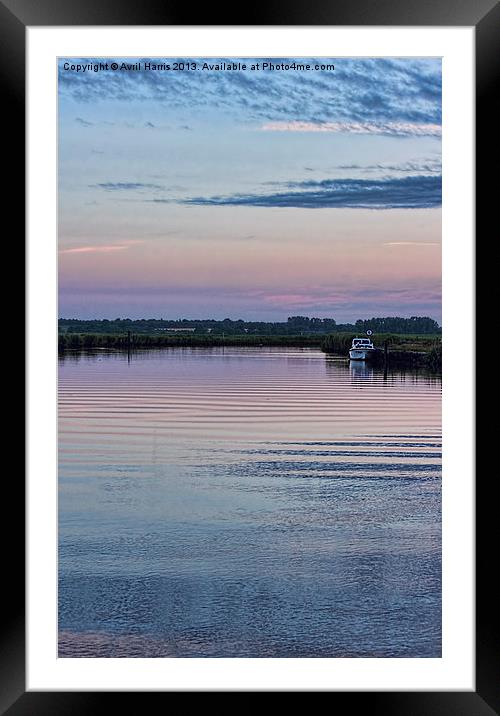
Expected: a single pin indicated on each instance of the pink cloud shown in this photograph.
(100, 249)
(411, 243)
(324, 299)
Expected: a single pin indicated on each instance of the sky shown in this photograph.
(249, 193)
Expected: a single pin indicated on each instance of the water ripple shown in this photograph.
(247, 502)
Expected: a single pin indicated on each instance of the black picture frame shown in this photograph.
(15, 17)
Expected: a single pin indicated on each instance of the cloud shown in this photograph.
(103, 249)
(125, 124)
(397, 129)
(94, 249)
(124, 186)
(414, 192)
(311, 299)
(84, 122)
(411, 243)
(402, 294)
(401, 95)
(425, 166)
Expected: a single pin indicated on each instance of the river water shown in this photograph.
(247, 503)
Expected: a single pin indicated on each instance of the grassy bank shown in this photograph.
(411, 351)
(89, 341)
(341, 342)
(403, 350)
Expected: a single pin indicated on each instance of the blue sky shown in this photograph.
(252, 194)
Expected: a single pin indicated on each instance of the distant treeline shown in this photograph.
(293, 326)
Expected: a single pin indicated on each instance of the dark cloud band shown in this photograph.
(415, 192)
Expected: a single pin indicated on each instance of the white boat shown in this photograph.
(361, 349)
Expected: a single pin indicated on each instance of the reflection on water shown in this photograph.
(247, 503)
(360, 369)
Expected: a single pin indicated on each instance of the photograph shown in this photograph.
(250, 249)
(249, 428)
